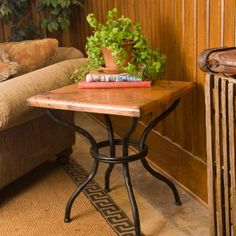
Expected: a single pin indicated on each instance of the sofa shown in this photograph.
(27, 135)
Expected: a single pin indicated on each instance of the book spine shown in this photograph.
(110, 78)
(137, 84)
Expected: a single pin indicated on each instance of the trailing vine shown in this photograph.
(56, 16)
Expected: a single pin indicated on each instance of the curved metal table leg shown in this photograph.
(112, 151)
(112, 146)
(107, 178)
(132, 199)
(76, 128)
(93, 172)
(78, 191)
(126, 139)
(162, 178)
(143, 160)
(127, 177)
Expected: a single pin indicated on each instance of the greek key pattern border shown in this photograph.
(115, 217)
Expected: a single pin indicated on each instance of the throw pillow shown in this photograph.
(31, 54)
(7, 67)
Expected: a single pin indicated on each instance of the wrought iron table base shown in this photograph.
(112, 159)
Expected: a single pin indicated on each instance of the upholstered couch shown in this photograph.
(27, 136)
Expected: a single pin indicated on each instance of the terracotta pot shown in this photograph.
(110, 60)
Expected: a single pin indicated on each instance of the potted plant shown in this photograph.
(119, 38)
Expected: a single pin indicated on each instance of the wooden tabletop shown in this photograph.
(134, 102)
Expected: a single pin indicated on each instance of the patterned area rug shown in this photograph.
(34, 205)
(114, 216)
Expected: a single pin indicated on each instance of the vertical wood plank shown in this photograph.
(225, 130)
(168, 34)
(217, 88)
(222, 26)
(188, 46)
(231, 108)
(210, 157)
(202, 42)
(215, 20)
(229, 22)
(234, 9)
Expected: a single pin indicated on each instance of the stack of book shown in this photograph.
(101, 79)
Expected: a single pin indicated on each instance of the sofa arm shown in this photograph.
(14, 92)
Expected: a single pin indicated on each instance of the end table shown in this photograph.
(159, 101)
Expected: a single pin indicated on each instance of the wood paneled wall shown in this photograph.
(181, 29)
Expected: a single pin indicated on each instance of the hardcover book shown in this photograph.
(130, 84)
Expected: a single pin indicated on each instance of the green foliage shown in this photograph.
(11, 10)
(21, 32)
(145, 62)
(57, 15)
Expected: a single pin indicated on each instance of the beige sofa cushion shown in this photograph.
(31, 54)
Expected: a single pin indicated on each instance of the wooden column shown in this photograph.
(220, 127)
